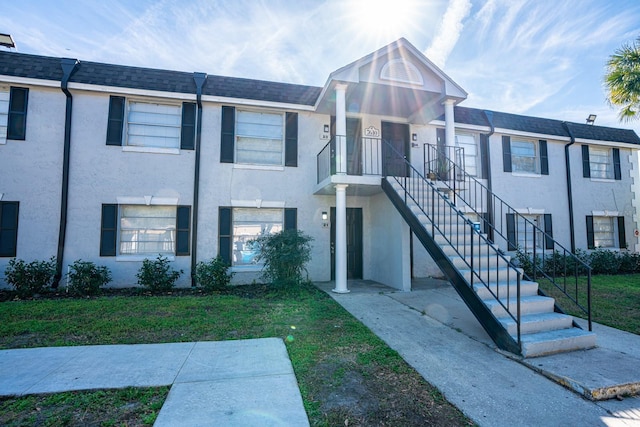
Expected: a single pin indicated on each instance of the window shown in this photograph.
(147, 124)
(468, 143)
(248, 224)
(526, 231)
(13, 113)
(259, 138)
(237, 226)
(8, 228)
(524, 156)
(144, 230)
(601, 162)
(605, 231)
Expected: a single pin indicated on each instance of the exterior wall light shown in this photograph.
(591, 119)
(325, 216)
(326, 128)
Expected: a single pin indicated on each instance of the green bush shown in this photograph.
(603, 261)
(213, 275)
(284, 256)
(85, 278)
(29, 279)
(629, 262)
(157, 275)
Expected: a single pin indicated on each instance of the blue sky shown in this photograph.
(541, 57)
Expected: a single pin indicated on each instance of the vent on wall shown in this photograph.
(401, 71)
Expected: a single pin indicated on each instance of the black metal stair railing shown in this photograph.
(437, 222)
(529, 236)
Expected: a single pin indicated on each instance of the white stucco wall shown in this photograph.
(390, 250)
(31, 173)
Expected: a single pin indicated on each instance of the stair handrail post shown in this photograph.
(519, 314)
(589, 297)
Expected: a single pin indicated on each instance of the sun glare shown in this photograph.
(383, 17)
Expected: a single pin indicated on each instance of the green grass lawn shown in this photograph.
(615, 300)
(336, 359)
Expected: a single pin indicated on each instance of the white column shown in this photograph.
(341, 239)
(449, 126)
(341, 129)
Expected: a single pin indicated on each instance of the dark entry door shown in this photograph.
(354, 145)
(397, 136)
(354, 243)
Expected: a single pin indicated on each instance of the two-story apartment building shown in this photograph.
(113, 164)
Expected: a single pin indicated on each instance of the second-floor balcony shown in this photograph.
(361, 168)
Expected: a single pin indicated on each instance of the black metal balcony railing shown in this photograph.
(363, 157)
(538, 253)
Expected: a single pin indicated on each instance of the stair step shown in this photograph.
(550, 342)
(481, 262)
(528, 305)
(501, 274)
(466, 248)
(536, 323)
(504, 289)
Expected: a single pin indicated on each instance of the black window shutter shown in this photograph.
(512, 243)
(484, 155)
(17, 120)
(586, 167)
(115, 124)
(188, 129)
(548, 229)
(617, 174)
(183, 230)
(224, 234)
(109, 230)
(290, 219)
(591, 238)
(9, 228)
(622, 239)
(506, 153)
(544, 158)
(227, 136)
(291, 140)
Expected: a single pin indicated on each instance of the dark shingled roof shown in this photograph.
(474, 116)
(48, 68)
(95, 73)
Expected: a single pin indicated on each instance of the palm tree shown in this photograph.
(623, 80)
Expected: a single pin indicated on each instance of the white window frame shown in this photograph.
(524, 231)
(243, 255)
(173, 148)
(239, 135)
(137, 255)
(467, 156)
(536, 156)
(598, 229)
(599, 153)
(5, 94)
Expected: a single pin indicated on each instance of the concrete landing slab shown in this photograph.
(597, 374)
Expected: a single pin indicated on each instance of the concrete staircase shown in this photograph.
(493, 278)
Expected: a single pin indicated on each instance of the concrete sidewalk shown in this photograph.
(230, 383)
(437, 335)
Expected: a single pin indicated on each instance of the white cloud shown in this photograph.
(448, 32)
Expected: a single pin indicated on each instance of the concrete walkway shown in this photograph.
(435, 332)
(230, 383)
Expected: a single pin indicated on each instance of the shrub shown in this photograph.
(32, 278)
(284, 255)
(157, 275)
(213, 275)
(603, 261)
(86, 278)
(629, 262)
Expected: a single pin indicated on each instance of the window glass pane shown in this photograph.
(523, 156)
(147, 229)
(603, 232)
(153, 125)
(526, 230)
(259, 138)
(248, 224)
(4, 109)
(468, 143)
(601, 163)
